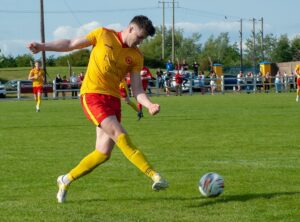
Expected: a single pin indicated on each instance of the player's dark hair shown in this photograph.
(144, 23)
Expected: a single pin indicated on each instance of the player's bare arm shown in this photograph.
(141, 96)
(62, 45)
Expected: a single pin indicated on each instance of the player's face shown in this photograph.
(136, 36)
(37, 65)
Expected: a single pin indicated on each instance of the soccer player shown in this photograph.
(37, 76)
(113, 55)
(297, 70)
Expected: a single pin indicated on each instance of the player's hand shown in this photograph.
(34, 47)
(154, 109)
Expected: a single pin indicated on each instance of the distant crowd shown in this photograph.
(176, 76)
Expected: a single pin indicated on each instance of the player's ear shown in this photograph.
(131, 28)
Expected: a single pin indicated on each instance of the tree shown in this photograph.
(219, 50)
(295, 48)
(270, 43)
(77, 58)
(24, 60)
(282, 52)
(50, 60)
(186, 48)
(189, 48)
(8, 61)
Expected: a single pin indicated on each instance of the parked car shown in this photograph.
(2, 90)
(26, 86)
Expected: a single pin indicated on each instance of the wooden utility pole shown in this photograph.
(241, 44)
(173, 34)
(262, 38)
(163, 33)
(254, 51)
(42, 28)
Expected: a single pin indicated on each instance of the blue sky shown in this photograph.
(19, 19)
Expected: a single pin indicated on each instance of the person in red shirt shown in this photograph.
(146, 75)
(80, 79)
(178, 83)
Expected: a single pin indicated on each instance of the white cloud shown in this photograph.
(68, 32)
(221, 26)
(16, 47)
(13, 47)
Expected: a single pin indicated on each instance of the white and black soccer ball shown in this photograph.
(211, 185)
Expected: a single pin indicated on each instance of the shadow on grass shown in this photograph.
(203, 201)
(141, 199)
(240, 198)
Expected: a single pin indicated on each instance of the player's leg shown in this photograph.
(113, 128)
(298, 90)
(104, 146)
(38, 101)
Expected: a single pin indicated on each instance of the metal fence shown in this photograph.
(157, 87)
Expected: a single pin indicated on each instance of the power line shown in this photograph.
(72, 12)
(203, 13)
(75, 11)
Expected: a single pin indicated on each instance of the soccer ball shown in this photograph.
(211, 185)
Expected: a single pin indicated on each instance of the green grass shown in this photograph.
(251, 140)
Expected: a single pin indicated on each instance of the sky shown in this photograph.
(20, 19)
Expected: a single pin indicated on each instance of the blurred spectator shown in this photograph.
(278, 82)
(64, 86)
(213, 79)
(184, 65)
(169, 66)
(178, 83)
(259, 84)
(167, 82)
(159, 76)
(58, 81)
(285, 81)
(240, 81)
(297, 73)
(196, 68)
(267, 82)
(80, 79)
(249, 82)
(202, 82)
(291, 81)
(74, 85)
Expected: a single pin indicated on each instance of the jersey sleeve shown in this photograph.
(138, 65)
(93, 35)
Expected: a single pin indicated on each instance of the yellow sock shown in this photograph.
(38, 101)
(134, 155)
(133, 105)
(87, 164)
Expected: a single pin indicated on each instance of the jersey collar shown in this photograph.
(121, 40)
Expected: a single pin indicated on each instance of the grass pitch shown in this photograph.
(251, 140)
